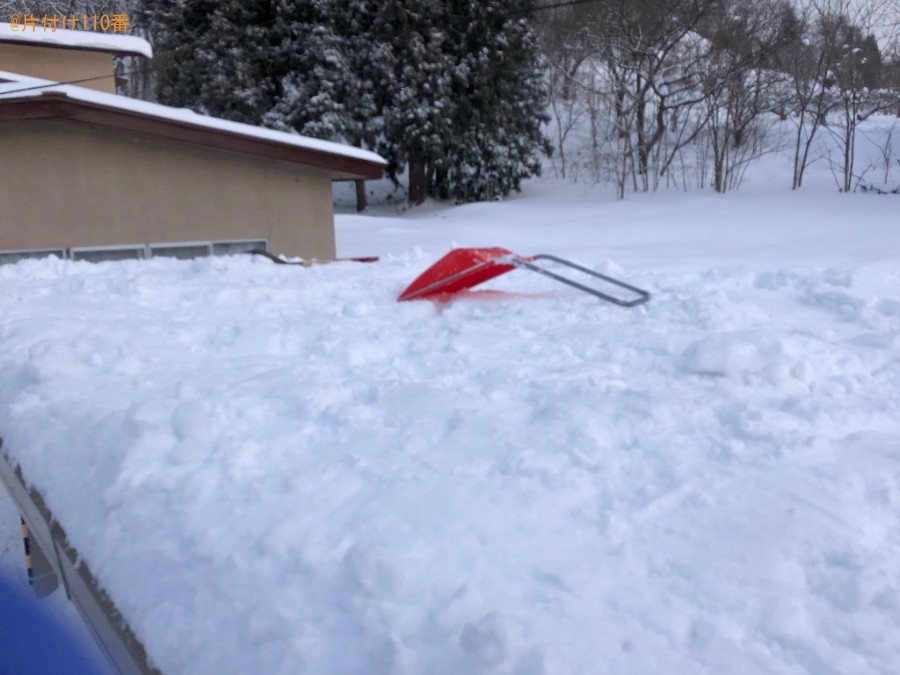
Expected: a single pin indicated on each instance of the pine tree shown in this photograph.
(330, 62)
(452, 91)
(418, 113)
(213, 56)
(314, 94)
(334, 69)
(468, 99)
(501, 101)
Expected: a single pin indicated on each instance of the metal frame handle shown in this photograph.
(643, 296)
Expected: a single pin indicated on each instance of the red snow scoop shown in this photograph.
(463, 268)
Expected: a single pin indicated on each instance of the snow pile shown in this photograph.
(279, 469)
(779, 360)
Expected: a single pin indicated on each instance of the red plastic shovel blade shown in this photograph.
(460, 269)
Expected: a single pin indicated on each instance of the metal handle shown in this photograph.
(643, 296)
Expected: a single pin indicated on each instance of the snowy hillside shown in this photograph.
(278, 469)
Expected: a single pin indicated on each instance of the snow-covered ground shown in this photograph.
(280, 469)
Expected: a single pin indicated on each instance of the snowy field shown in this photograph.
(282, 470)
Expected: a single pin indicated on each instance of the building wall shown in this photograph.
(65, 184)
(59, 65)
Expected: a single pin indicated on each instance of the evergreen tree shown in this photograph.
(500, 99)
(331, 65)
(314, 93)
(469, 97)
(418, 111)
(214, 56)
(452, 91)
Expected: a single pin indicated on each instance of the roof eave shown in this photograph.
(105, 49)
(57, 105)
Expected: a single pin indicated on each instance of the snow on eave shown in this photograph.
(114, 43)
(17, 87)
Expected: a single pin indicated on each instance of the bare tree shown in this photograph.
(740, 85)
(739, 126)
(652, 79)
(562, 34)
(628, 69)
(808, 60)
(655, 74)
(892, 72)
(855, 77)
(654, 56)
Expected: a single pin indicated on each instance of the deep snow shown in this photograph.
(281, 469)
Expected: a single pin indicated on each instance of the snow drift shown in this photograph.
(280, 469)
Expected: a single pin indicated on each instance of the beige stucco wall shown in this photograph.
(59, 65)
(65, 184)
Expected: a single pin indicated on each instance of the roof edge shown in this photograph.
(58, 105)
(80, 40)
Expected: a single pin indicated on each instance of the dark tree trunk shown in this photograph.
(361, 202)
(418, 179)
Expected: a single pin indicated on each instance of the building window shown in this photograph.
(9, 257)
(183, 250)
(106, 253)
(236, 246)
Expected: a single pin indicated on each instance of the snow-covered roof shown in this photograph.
(15, 87)
(114, 43)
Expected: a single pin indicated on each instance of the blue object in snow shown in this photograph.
(34, 643)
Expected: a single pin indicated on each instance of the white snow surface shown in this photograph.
(21, 86)
(109, 41)
(280, 469)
